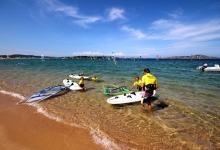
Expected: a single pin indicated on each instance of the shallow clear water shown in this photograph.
(186, 111)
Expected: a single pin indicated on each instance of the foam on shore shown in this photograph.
(104, 141)
(13, 94)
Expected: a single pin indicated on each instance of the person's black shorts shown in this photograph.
(81, 85)
(139, 88)
(149, 88)
(147, 99)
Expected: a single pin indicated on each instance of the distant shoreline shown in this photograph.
(20, 56)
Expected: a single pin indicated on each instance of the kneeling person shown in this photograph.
(81, 83)
(136, 82)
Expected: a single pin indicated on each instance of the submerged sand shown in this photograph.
(21, 127)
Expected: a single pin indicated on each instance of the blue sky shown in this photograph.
(129, 28)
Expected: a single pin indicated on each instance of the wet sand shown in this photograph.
(21, 127)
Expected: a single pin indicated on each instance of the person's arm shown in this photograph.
(156, 86)
(131, 87)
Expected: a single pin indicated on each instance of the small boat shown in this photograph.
(45, 93)
(110, 89)
(206, 68)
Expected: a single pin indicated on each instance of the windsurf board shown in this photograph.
(44, 94)
(127, 98)
(71, 85)
(76, 76)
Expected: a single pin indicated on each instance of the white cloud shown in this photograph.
(174, 30)
(121, 54)
(78, 18)
(176, 14)
(87, 54)
(116, 54)
(82, 20)
(207, 37)
(134, 32)
(85, 21)
(115, 13)
(180, 29)
(211, 27)
(163, 25)
(69, 11)
(56, 6)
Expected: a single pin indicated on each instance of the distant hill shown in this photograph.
(18, 56)
(23, 56)
(198, 56)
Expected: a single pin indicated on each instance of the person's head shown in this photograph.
(81, 78)
(146, 70)
(136, 78)
(94, 76)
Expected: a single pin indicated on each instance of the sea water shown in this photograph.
(186, 112)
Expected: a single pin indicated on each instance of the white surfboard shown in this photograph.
(76, 76)
(127, 98)
(71, 85)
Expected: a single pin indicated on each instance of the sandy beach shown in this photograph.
(21, 127)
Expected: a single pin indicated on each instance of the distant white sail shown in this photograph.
(42, 57)
(114, 58)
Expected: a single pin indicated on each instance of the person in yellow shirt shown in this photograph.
(138, 83)
(94, 78)
(81, 83)
(149, 84)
